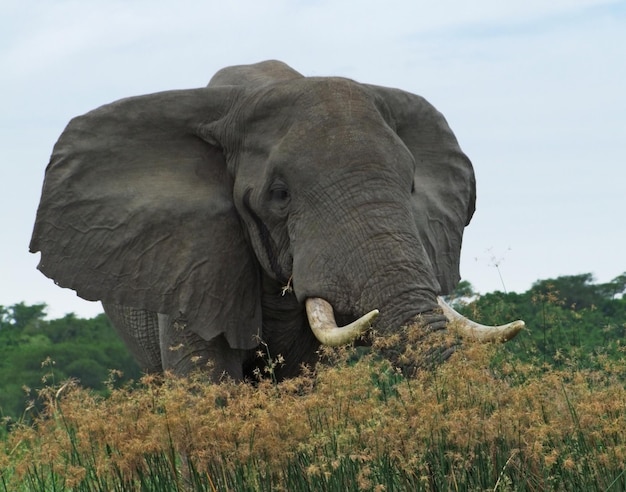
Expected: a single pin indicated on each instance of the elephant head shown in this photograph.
(206, 219)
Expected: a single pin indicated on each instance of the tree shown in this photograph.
(575, 291)
(20, 315)
(614, 288)
(463, 294)
(86, 349)
(580, 292)
(567, 317)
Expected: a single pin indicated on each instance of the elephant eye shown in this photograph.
(413, 187)
(279, 194)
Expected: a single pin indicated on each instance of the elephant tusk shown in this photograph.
(324, 326)
(475, 331)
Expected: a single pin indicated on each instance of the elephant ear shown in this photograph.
(137, 210)
(444, 195)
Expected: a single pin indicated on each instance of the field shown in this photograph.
(482, 421)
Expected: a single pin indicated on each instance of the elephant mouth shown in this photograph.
(322, 321)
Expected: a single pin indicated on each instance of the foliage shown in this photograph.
(348, 427)
(568, 318)
(84, 349)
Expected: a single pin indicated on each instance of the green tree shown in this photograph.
(85, 349)
(18, 316)
(462, 295)
(567, 317)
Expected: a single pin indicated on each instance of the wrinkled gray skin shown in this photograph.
(202, 204)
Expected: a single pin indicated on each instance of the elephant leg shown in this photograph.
(183, 351)
(139, 330)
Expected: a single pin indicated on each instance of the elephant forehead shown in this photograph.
(305, 114)
(309, 100)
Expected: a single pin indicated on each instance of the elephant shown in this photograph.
(261, 211)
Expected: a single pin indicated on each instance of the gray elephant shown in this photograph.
(258, 210)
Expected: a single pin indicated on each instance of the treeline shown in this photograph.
(35, 352)
(569, 318)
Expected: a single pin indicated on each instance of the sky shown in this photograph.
(533, 90)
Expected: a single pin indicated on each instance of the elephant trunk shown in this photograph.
(363, 252)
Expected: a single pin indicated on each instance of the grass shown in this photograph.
(482, 421)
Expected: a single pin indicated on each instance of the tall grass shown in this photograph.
(482, 421)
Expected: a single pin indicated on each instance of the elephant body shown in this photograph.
(204, 219)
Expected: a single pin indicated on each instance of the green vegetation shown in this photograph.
(31, 346)
(544, 412)
(568, 318)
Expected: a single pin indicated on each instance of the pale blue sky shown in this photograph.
(534, 91)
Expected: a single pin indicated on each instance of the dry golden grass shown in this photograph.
(468, 416)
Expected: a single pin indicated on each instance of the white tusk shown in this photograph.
(477, 332)
(324, 326)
